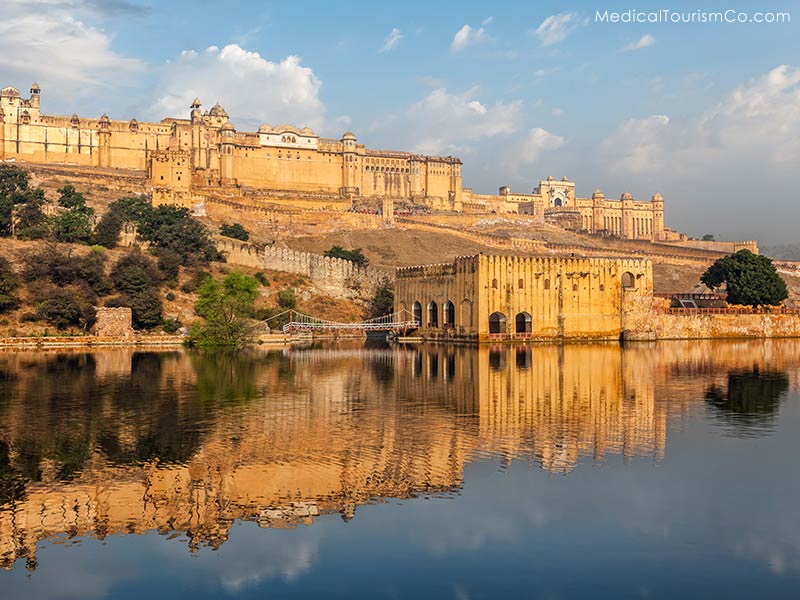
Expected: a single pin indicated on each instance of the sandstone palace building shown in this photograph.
(190, 159)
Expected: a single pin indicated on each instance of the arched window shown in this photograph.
(627, 279)
(494, 283)
(574, 287)
(417, 310)
(449, 316)
(602, 287)
(523, 323)
(547, 284)
(521, 284)
(497, 323)
(433, 314)
(466, 313)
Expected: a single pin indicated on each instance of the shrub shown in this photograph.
(235, 231)
(287, 299)
(135, 273)
(146, 308)
(109, 228)
(9, 284)
(64, 307)
(262, 279)
(382, 302)
(51, 264)
(225, 307)
(170, 325)
(354, 256)
(170, 296)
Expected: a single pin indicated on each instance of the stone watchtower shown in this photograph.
(349, 162)
(227, 147)
(658, 216)
(104, 141)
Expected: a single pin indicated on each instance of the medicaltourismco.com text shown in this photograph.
(666, 15)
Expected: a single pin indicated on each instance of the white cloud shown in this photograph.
(391, 41)
(252, 89)
(536, 142)
(52, 43)
(466, 37)
(487, 21)
(445, 123)
(556, 28)
(643, 42)
(637, 145)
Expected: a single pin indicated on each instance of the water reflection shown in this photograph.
(749, 403)
(94, 444)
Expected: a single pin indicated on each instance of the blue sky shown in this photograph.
(708, 114)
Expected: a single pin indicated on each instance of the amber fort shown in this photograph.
(190, 159)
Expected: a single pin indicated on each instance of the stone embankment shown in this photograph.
(90, 341)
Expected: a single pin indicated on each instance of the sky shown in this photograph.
(707, 114)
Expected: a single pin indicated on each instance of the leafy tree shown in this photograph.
(135, 274)
(109, 227)
(138, 280)
(287, 300)
(9, 284)
(72, 226)
(135, 209)
(235, 231)
(72, 199)
(51, 264)
(31, 222)
(225, 307)
(750, 279)
(64, 307)
(174, 228)
(169, 263)
(382, 302)
(13, 179)
(355, 256)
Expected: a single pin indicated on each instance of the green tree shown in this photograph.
(750, 279)
(135, 274)
(71, 306)
(138, 280)
(225, 308)
(9, 284)
(72, 226)
(107, 231)
(355, 256)
(51, 264)
(235, 231)
(31, 222)
(287, 299)
(173, 228)
(382, 302)
(14, 184)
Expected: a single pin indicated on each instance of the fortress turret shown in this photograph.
(217, 115)
(104, 141)
(349, 162)
(658, 216)
(228, 133)
(35, 94)
(195, 113)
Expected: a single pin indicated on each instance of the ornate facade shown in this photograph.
(516, 297)
(186, 156)
(556, 202)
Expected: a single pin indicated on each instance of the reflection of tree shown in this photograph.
(751, 401)
(12, 484)
(226, 376)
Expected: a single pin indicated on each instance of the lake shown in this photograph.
(655, 470)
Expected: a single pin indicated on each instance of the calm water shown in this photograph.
(654, 471)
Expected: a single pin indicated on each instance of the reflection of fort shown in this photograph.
(119, 442)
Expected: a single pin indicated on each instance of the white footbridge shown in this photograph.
(297, 321)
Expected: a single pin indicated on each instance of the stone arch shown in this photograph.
(417, 312)
(449, 314)
(433, 314)
(497, 323)
(628, 280)
(494, 284)
(466, 313)
(523, 324)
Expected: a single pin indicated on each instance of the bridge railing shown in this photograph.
(298, 321)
